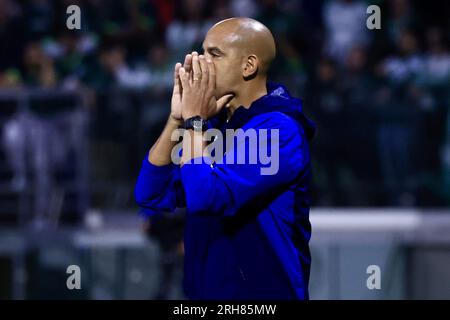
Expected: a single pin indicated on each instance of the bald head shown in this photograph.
(249, 37)
(241, 50)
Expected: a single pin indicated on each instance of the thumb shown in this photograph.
(224, 100)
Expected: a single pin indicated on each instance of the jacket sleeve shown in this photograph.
(224, 188)
(158, 188)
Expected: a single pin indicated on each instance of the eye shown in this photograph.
(214, 53)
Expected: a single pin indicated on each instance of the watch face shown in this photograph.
(197, 124)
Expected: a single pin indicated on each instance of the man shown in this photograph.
(246, 233)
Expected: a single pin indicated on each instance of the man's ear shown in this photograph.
(251, 67)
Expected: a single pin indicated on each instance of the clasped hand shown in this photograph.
(194, 89)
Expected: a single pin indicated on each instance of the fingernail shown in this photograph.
(208, 60)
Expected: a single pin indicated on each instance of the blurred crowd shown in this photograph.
(380, 98)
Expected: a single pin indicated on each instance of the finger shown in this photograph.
(204, 68)
(188, 63)
(176, 79)
(224, 100)
(197, 72)
(211, 75)
(184, 78)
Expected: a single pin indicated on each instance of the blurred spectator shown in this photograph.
(160, 68)
(358, 82)
(221, 10)
(105, 17)
(403, 66)
(345, 23)
(436, 65)
(70, 61)
(39, 18)
(281, 17)
(401, 18)
(156, 73)
(325, 103)
(40, 144)
(12, 36)
(39, 70)
(445, 156)
(432, 91)
(10, 78)
(358, 86)
(164, 12)
(289, 67)
(101, 70)
(398, 119)
(244, 8)
(188, 29)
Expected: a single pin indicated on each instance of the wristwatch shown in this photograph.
(196, 123)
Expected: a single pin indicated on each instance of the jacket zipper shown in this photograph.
(242, 273)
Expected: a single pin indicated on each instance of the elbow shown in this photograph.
(155, 202)
(149, 204)
(140, 199)
(144, 199)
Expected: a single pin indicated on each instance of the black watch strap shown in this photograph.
(196, 123)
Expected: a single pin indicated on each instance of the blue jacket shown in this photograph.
(246, 234)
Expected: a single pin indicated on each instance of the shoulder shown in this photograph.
(288, 127)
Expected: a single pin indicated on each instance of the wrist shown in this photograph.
(189, 115)
(175, 121)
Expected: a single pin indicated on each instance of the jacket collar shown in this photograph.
(276, 99)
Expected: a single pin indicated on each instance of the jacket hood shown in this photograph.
(276, 99)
